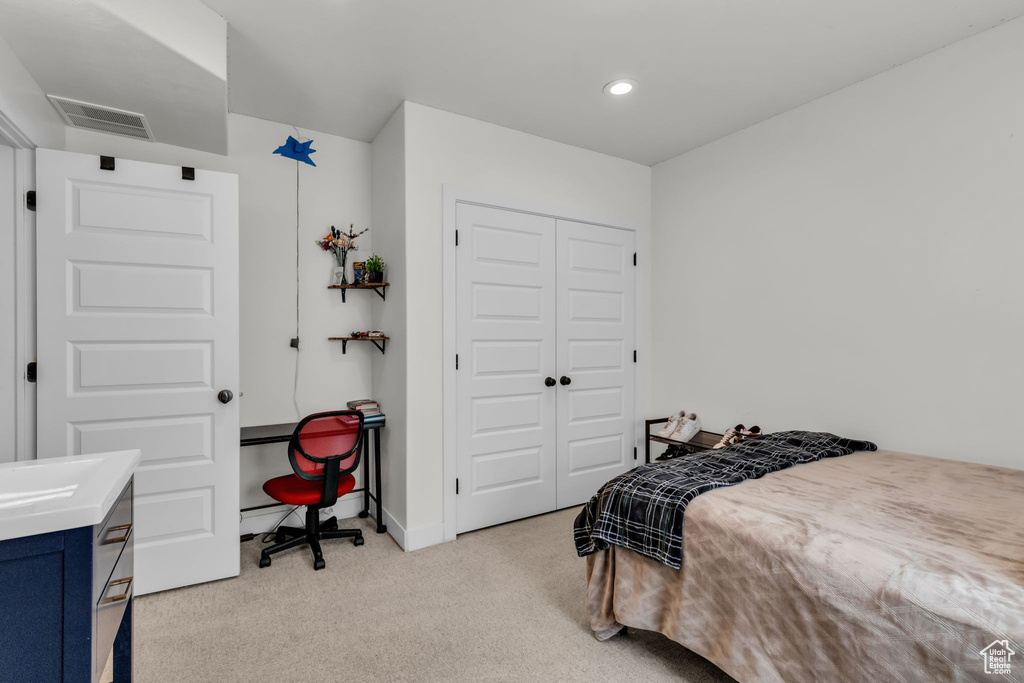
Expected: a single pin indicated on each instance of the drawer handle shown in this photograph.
(122, 596)
(126, 528)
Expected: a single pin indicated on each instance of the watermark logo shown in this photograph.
(997, 657)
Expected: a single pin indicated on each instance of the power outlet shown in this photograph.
(326, 512)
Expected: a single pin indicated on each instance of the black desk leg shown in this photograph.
(123, 646)
(366, 476)
(381, 527)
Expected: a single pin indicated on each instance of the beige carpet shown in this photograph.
(500, 604)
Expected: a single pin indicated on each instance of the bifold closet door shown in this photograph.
(596, 341)
(506, 427)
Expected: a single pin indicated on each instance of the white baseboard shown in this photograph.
(413, 539)
(424, 537)
(396, 530)
(266, 519)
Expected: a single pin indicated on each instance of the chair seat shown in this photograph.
(292, 490)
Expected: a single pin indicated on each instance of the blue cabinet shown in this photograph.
(66, 599)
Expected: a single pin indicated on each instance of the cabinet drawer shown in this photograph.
(117, 590)
(111, 537)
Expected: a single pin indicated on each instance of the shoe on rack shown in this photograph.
(751, 433)
(673, 451)
(673, 424)
(733, 435)
(687, 428)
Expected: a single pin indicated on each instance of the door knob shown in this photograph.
(565, 381)
(549, 382)
(225, 396)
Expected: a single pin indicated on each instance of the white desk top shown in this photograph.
(53, 494)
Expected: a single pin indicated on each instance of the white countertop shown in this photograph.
(53, 494)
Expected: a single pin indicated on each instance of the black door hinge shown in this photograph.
(456, 486)
(30, 200)
(30, 372)
(456, 238)
(634, 258)
(634, 452)
(634, 355)
(456, 361)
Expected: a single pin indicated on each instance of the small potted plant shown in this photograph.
(374, 269)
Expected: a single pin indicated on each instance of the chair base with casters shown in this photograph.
(323, 451)
(287, 537)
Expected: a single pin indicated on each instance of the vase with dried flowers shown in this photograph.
(340, 243)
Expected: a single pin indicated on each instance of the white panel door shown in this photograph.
(506, 344)
(596, 328)
(137, 275)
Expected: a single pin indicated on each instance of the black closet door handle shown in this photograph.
(549, 382)
(225, 396)
(565, 381)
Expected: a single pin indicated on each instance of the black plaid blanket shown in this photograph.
(642, 510)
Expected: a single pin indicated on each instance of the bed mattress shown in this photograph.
(875, 566)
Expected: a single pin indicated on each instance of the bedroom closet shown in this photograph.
(546, 318)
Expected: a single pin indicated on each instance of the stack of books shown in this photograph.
(370, 410)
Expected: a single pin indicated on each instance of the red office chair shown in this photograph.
(324, 451)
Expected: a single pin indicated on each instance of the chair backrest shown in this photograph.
(326, 446)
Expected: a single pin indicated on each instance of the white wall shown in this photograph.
(335, 192)
(444, 148)
(389, 371)
(25, 106)
(854, 265)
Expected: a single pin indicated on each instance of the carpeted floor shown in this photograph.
(499, 604)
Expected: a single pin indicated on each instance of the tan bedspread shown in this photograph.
(869, 567)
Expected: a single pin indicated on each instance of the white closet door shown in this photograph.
(138, 332)
(506, 340)
(596, 328)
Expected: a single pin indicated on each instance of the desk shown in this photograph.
(282, 433)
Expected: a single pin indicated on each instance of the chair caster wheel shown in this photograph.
(357, 541)
(364, 514)
(319, 564)
(264, 562)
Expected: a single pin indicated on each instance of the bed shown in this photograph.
(874, 566)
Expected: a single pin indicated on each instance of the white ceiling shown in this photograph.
(165, 59)
(706, 68)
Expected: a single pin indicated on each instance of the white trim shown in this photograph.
(24, 304)
(396, 530)
(451, 197)
(12, 135)
(265, 520)
(424, 537)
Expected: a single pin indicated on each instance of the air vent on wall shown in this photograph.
(103, 119)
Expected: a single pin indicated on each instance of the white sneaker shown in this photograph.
(687, 429)
(673, 424)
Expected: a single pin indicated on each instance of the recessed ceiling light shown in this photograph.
(620, 87)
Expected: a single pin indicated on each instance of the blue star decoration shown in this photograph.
(293, 149)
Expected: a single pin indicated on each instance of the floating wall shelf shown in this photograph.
(378, 287)
(345, 340)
